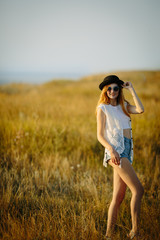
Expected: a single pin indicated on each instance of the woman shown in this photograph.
(114, 132)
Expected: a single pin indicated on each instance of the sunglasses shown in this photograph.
(115, 89)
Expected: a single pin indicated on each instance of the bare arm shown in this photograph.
(101, 121)
(138, 108)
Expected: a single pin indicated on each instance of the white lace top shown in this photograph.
(118, 112)
(116, 121)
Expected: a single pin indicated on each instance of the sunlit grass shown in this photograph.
(53, 184)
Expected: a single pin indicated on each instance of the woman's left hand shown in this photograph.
(127, 85)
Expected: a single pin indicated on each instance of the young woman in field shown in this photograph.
(114, 132)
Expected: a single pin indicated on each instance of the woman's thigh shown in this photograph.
(119, 187)
(127, 174)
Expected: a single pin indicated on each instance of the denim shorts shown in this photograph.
(127, 150)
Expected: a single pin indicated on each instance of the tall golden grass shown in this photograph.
(53, 184)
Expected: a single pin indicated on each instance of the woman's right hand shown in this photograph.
(115, 158)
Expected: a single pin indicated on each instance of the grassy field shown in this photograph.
(52, 181)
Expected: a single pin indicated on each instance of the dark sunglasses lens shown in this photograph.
(116, 89)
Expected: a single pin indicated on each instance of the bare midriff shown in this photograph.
(127, 133)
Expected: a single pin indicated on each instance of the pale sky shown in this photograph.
(79, 36)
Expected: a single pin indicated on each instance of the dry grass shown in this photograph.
(53, 184)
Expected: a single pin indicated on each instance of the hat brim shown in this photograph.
(107, 82)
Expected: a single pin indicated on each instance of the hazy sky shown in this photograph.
(79, 36)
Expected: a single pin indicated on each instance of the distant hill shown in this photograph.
(133, 76)
(126, 75)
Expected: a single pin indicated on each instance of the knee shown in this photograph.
(139, 191)
(118, 199)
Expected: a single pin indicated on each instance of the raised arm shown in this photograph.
(138, 108)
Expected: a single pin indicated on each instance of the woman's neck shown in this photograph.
(113, 102)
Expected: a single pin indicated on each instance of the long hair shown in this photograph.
(106, 100)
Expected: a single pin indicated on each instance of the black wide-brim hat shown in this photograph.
(110, 79)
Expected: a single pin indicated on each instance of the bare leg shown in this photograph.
(128, 175)
(119, 189)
